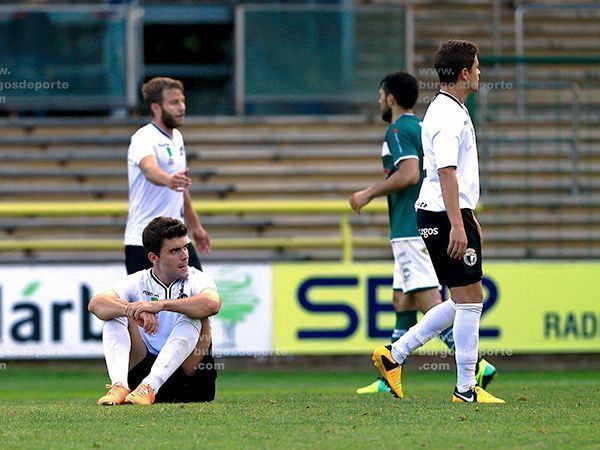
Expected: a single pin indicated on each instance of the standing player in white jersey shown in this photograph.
(446, 221)
(158, 175)
(415, 283)
(156, 334)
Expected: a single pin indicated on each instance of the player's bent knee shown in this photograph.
(117, 321)
(427, 299)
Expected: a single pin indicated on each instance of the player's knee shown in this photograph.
(117, 322)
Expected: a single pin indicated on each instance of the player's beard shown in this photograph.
(386, 115)
(169, 120)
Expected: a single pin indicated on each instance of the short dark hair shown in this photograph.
(152, 90)
(453, 56)
(159, 229)
(403, 86)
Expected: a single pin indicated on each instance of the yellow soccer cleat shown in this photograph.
(390, 369)
(474, 395)
(142, 395)
(115, 396)
(374, 388)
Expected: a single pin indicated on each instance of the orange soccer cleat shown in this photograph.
(142, 395)
(115, 396)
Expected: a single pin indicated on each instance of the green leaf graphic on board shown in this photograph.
(238, 298)
(31, 288)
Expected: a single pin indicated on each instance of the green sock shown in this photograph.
(448, 338)
(404, 320)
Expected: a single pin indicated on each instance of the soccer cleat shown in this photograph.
(390, 369)
(374, 388)
(115, 396)
(142, 395)
(474, 395)
(484, 373)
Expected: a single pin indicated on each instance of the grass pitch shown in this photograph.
(49, 407)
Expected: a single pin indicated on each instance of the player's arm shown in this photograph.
(205, 304)
(199, 234)
(457, 245)
(108, 305)
(177, 181)
(407, 175)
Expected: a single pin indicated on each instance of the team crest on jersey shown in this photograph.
(470, 257)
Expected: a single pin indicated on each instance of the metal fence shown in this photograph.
(316, 57)
(540, 154)
(554, 115)
(81, 57)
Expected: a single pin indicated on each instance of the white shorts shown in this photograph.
(413, 270)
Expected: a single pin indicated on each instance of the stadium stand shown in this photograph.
(540, 193)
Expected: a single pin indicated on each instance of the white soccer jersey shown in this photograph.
(147, 200)
(145, 286)
(448, 140)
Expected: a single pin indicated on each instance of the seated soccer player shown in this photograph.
(157, 337)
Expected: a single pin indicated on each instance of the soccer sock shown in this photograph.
(116, 343)
(404, 321)
(435, 321)
(179, 346)
(466, 339)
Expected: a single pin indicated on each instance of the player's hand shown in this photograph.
(136, 309)
(358, 200)
(201, 239)
(149, 322)
(457, 246)
(179, 181)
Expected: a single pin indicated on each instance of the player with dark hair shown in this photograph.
(156, 334)
(158, 174)
(446, 221)
(415, 284)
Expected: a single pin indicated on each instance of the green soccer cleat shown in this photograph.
(484, 373)
(374, 388)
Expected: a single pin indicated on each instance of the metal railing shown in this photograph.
(519, 19)
(485, 113)
(345, 240)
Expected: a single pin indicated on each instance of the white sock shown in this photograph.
(179, 346)
(116, 343)
(436, 320)
(466, 342)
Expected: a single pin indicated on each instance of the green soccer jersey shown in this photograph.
(402, 141)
